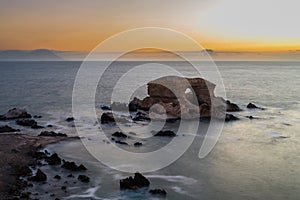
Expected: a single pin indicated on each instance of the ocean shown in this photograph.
(253, 159)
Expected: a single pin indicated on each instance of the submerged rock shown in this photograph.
(121, 142)
(119, 134)
(133, 183)
(160, 192)
(39, 177)
(52, 134)
(70, 119)
(6, 129)
(83, 178)
(165, 133)
(15, 113)
(104, 107)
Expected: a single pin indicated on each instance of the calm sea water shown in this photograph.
(253, 159)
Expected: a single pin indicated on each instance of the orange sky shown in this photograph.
(222, 25)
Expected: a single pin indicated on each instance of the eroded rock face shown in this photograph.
(187, 98)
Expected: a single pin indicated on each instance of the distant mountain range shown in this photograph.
(36, 55)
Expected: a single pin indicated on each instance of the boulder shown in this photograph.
(15, 113)
(137, 144)
(6, 129)
(39, 177)
(252, 106)
(133, 183)
(232, 107)
(107, 118)
(54, 159)
(70, 119)
(230, 117)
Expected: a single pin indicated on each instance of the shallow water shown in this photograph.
(253, 159)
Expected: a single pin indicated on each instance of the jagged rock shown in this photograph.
(70, 119)
(83, 178)
(107, 118)
(160, 192)
(4, 129)
(72, 166)
(119, 134)
(15, 113)
(133, 183)
(165, 133)
(230, 117)
(232, 107)
(28, 122)
(52, 134)
(54, 159)
(39, 177)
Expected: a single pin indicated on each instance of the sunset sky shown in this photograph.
(222, 25)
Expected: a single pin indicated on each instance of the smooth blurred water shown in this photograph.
(254, 159)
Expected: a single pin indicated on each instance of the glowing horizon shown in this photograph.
(221, 25)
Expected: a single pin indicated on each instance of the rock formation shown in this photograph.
(186, 98)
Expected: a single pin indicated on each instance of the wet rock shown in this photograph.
(250, 117)
(24, 171)
(64, 187)
(104, 107)
(70, 119)
(54, 159)
(72, 166)
(37, 116)
(39, 177)
(15, 113)
(52, 134)
(70, 176)
(121, 142)
(160, 192)
(107, 118)
(133, 183)
(232, 107)
(252, 106)
(25, 195)
(141, 116)
(49, 125)
(134, 104)
(165, 133)
(4, 129)
(230, 117)
(137, 144)
(83, 178)
(28, 122)
(38, 154)
(58, 177)
(119, 134)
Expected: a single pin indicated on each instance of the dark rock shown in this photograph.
(70, 176)
(141, 116)
(232, 107)
(24, 171)
(36, 127)
(121, 142)
(58, 177)
(70, 119)
(49, 125)
(134, 104)
(104, 107)
(25, 195)
(160, 192)
(252, 106)
(52, 134)
(165, 133)
(72, 166)
(107, 118)
(37, 116)
(63, 187)
(137, 144)
(54, 159)
(4, 129)
(38, 154)
(83, 178)
(250, 117)
(15, 113)
(119, 134)
(39, 177)
(26, 122)
(230, 117)
(138, 181)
